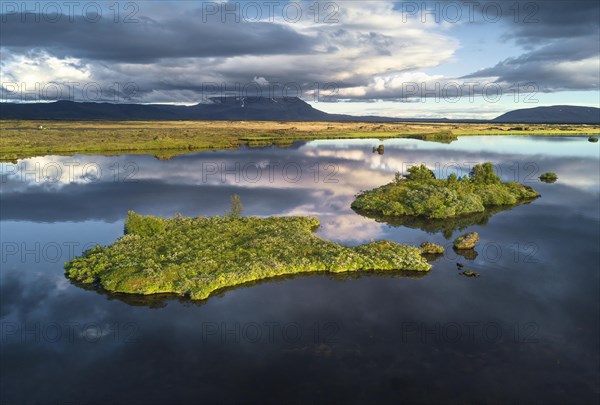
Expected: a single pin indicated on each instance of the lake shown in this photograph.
(526, 330)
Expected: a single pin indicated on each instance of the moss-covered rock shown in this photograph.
(549, 177)
(197, 256)
(592, 139)
(431, 248)
(466, 241)
(470, 273)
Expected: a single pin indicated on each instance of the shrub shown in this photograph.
(397, 177)
(143, 226)
(484, 174)
(236, 207)
(419, 173)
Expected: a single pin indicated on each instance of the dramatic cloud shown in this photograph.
(149, 40)
(541, 21)
(184, 52)
(563, 47)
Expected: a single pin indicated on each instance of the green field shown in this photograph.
(21, 139)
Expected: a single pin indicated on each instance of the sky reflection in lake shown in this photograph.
(533, 313)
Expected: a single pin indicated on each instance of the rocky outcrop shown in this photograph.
(431, 248)
(466, 241)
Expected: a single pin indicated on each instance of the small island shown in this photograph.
(549, 177)
(420, 194)
(195, 257)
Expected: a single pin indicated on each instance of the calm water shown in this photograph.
(526, 331)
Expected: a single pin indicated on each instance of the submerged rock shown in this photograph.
(470, 273)
(431, 248)
(466, 241)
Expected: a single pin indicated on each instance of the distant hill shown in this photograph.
(260, 109)
(219, 108)
(558, 114)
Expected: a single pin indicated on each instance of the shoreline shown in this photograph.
(24, 139)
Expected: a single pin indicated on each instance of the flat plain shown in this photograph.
(24, 138)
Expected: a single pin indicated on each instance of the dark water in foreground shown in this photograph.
(526, 331)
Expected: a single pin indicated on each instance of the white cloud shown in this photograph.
(261, 81)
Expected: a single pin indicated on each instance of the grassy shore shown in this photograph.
(21, 139)
(198, 256)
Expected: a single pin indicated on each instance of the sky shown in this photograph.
(427, 59)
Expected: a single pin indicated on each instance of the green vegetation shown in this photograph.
(470, 273)
(429, 248)
(593, 139)
(236, 207)
(198, 256)
(23, 138)
(162, 300)
(420, 194)
(549, 177)
(466, 241)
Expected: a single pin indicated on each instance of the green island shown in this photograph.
(165, 139)
(420, 194)
(196, 257)
(549, 177)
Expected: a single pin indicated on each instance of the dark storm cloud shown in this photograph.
(559, 37)
(540, 66)
(540, 21)
(149, 39)
(531, 21)
(178, 56)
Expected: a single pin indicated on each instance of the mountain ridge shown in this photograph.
(559, 114)
(264, 109)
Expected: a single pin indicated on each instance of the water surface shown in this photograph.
(527, 330)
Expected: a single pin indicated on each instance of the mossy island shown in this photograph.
(420, 194)
(549, 177)
(195, 257)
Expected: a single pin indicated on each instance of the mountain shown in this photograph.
(558, 114)
(219, 108)
(260, 109)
